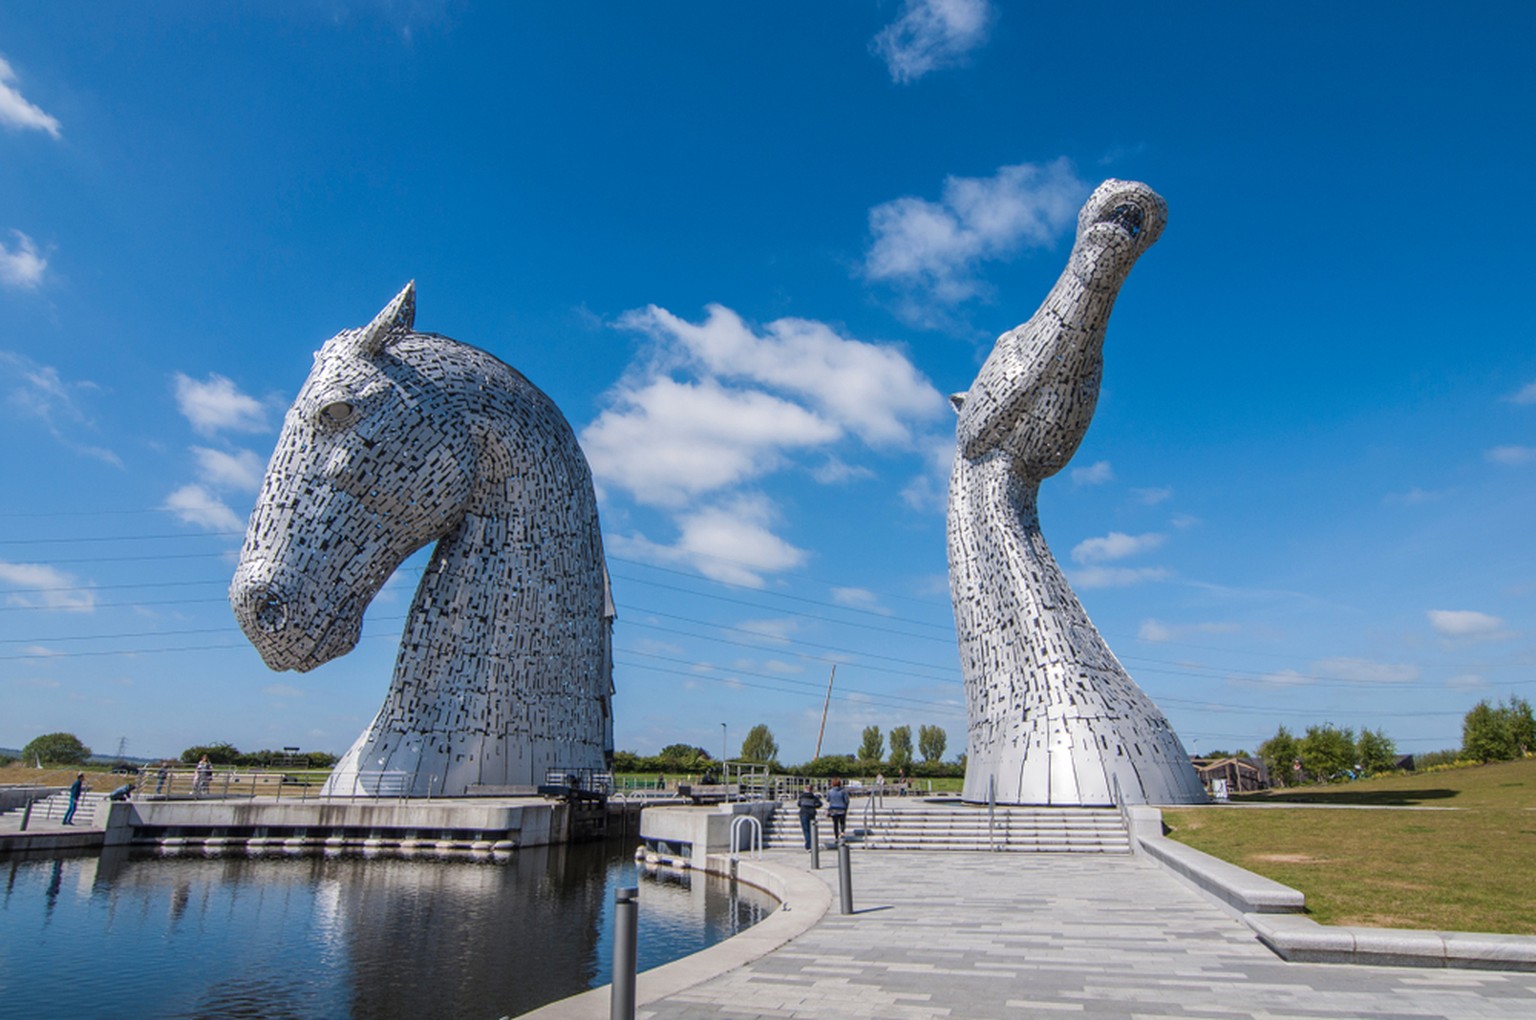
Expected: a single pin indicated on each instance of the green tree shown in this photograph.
(218, 754)
(1328, 752)
(1498, 732)
(872, 749)
(931, 741)
(827, 766)
(683, 758)
(760, 746)
(1279, 754)
(901, 747)
(1376, 752)
(55, 749)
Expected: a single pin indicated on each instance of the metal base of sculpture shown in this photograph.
(1053, 717)
(399, 439)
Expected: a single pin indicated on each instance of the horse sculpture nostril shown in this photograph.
(269, 611)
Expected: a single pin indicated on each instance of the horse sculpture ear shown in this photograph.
(957, 400)
(397, 319)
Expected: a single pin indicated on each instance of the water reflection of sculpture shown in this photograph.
(1054, 718)
(399, 439)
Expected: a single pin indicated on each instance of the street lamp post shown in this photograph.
(724, 754)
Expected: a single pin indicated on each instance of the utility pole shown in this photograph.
(824, 706)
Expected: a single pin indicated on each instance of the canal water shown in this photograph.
(327, 938)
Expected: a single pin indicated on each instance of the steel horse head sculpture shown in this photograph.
(399, 439)
(1054, 718)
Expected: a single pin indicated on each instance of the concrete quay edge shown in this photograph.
(803, 901)
(1274, 913)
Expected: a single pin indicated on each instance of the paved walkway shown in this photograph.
(976, 936)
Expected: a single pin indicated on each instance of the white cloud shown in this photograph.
(936, 246)
(42, 586)
(929, 491)
(777, 630)
(1152, 497)
(1282, 678)
(730, 542)
(931, 34)
(1118, 577)
(708, 407)
(1466, 624)
(39, 392)
(197, 506)
(1157, 631)
(1099, 472)
(834, 470)
(283, 691)
(872, 391)
(1365, 670)
(667, 442)
(1525, 395)
(16, 111)
(217, 405)
(21, 266)
(1512, 456)
(1466, 682)
(1114, 546)
(240, 470)
(859, 598)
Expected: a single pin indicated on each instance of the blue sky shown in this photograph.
(747, 249)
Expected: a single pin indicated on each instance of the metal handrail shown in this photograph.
(755, 843)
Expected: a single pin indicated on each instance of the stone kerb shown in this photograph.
(803, 901)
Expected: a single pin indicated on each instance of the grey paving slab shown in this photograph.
(978, 936)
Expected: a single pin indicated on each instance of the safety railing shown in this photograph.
(755, 830)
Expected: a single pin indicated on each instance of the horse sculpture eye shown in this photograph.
(338, 412)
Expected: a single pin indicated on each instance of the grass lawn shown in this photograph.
(1472, 868)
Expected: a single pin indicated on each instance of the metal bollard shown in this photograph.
(845, 877)
(26, 816)
(815, 845)
(626, 919)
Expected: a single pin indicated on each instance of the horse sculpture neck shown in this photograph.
(504, 668)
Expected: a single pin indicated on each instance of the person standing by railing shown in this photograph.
(75, 790)
(202, 777)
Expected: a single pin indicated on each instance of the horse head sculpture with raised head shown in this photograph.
(399, 439)
(1053, 716)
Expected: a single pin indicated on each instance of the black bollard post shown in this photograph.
(845, 877)
(626, 919)
(815, 845)
(26, 816)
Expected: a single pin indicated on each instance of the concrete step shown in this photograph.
(52, 809)
(939, 827)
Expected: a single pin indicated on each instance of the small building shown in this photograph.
(1243, 775)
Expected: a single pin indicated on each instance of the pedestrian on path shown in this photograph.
(75, 790)
(808, 804)
(202, 776)
(837, 809)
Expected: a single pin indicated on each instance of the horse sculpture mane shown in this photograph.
(1054, 718)
(399, 439)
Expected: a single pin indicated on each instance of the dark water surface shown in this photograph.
(325, 937)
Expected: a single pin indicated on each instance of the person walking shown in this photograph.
(75, 790)
(808, 804)
(837, 809)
